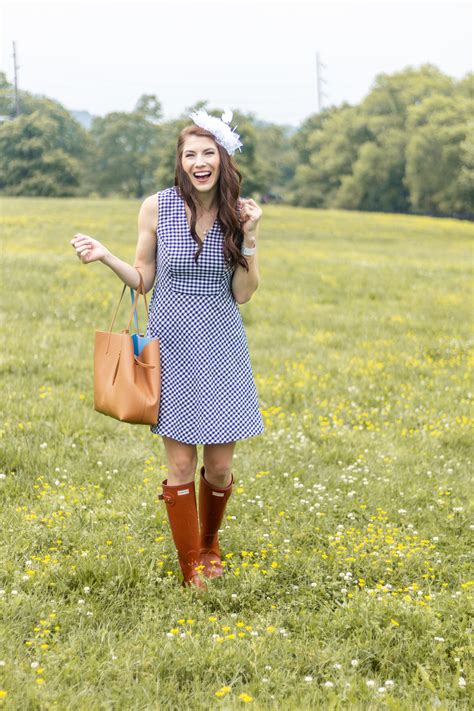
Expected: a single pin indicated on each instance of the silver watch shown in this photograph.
(248, 251)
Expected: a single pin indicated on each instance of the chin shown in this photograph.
(204, 188)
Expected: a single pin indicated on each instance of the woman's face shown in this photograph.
(200, 155)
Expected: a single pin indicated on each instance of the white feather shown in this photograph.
(227, 115)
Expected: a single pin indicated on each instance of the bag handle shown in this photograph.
(135, 316)
(141, 289)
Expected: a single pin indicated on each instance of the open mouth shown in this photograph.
(202, 177)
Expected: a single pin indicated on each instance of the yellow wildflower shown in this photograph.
(245, 698)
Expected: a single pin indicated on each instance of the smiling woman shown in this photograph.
(208, 393)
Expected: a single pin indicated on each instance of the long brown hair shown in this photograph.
(228, 193)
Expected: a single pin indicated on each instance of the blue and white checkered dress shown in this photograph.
(208, 394)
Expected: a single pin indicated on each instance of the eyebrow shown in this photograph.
(188, 150)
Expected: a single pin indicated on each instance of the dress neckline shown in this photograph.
(183, 205)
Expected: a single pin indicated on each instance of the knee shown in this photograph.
(183, 469)
(218, 474)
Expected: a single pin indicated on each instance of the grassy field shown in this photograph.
(347, 537)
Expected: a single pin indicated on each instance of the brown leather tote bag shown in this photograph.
(127, 386)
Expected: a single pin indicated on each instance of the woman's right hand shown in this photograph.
(88, 249)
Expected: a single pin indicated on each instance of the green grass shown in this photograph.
(347, 536)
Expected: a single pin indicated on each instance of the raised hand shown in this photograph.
(88, 249)
(250, 214)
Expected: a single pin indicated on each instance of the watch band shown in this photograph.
(248, 251)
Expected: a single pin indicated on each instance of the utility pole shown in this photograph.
(320, 81)
(15, 70)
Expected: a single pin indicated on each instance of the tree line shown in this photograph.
(408, 146)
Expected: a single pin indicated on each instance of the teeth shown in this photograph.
(201, 175)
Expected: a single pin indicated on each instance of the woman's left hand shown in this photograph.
(250, 214)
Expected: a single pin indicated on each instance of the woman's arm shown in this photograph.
(245, 283)
(145, 254)
(89, 249)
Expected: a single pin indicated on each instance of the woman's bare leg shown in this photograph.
(218, 463)
(182, 461)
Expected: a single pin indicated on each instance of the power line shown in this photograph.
(15, 71)
(320, 81)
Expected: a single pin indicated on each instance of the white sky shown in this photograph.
(254, 55)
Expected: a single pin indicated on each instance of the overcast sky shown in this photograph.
(257, 56)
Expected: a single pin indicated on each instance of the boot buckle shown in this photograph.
(167, 498)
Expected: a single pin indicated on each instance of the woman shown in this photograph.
(208, 394)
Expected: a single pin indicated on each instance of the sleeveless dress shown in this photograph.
(208, 393)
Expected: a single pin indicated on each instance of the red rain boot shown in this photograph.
(212, 503)
(182, 513)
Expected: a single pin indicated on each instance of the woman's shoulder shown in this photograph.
(151, 202)
(170, 191)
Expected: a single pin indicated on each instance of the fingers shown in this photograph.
(83, 246)
(247, 200)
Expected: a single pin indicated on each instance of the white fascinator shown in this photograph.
(220, 129)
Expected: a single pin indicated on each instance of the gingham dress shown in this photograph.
(208, 393)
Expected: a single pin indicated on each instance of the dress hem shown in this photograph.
(200, 442)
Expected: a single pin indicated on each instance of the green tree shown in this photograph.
(7, 98)
(149, 106)
(376, 178)
(328, 147)
(392, 94)
(375, 156)
(126, 150)
(40, 152)
(439, 154)
(276, 157)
